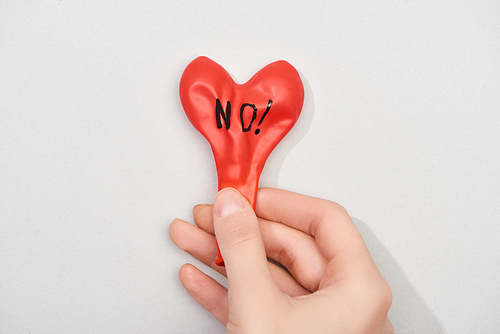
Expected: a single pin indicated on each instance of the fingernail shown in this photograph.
(228, 201)
(196, 207)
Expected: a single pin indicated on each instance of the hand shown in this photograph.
(330, 285)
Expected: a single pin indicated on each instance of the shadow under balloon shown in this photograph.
(408, 312)
(269, 177)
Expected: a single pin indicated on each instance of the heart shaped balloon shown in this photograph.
(242, 122)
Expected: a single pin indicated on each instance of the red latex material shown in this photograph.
(242, 140)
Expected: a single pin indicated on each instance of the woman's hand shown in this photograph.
(330, 284)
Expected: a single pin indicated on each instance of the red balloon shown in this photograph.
(243, 123)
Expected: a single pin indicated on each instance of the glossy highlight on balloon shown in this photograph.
(242, 122)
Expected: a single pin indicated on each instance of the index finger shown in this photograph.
(328, 222)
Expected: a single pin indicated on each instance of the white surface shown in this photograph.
(401, 126)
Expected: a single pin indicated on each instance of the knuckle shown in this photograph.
(336, 208)
(238, 233)
(382, 296)
(386, 297)
(379, 292)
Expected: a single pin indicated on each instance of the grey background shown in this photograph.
(400, 125)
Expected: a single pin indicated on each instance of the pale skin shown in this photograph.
(330, 285)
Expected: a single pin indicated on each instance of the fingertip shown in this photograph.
(195, 208)
(186, 271)
(172, 228)
(205, 291)
(203, 217)
(179, 230)
(190, 277)
(200, 208)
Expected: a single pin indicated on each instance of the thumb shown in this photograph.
(241, 245)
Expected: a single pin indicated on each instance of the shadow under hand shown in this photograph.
(408, 312)
(275, 161)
